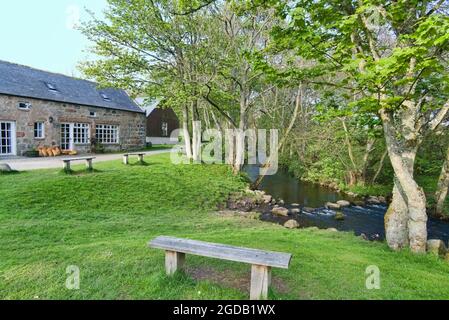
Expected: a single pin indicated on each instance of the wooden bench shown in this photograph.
(126, 157)
(261, 261)
(69, 160)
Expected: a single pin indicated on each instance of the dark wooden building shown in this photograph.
(161, 123)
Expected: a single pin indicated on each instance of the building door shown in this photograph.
(66, 136)
(7, 138)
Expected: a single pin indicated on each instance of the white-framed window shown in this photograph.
(107, 134)
(164, 129)
(7, 138)
(81, 133)
(92, 114)
(24, 106)
(39, 130)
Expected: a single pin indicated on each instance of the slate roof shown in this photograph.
(23, 81)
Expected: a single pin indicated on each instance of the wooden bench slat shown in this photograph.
(78, 159)
(225, 252)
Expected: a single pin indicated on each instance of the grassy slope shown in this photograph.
(102, 221)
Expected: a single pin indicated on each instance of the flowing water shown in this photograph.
(367, 219)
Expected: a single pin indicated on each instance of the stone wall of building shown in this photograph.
(132, 125)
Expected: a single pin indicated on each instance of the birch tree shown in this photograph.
(149, 49)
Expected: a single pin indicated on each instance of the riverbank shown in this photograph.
(427, 182)
(102, 221)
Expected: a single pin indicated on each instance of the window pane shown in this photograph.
(107, 134)
(81, 133)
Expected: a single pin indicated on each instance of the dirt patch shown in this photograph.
(230, 279)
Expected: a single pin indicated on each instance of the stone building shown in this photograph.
(39, 108)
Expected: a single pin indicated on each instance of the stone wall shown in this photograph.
(132, 125)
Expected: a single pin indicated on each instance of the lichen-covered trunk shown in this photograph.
(406, 219)
(443, 186)
(396, 221)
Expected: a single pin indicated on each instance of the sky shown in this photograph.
(41, 33)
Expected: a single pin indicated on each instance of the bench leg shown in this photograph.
(89, 165)
(174, 261)
(260, 282)
(125, 160)
(66, 166)
(141, 159)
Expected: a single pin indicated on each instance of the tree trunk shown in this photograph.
(240, 146)
(415, 202)
(369, 148)
(229, 146)
(298, 105)
(381, 165)
(442, 187)
(186, 134)
(240, 134)
(409, 200)
(196, 133)
(396, 221)
(348, 144)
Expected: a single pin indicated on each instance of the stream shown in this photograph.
(367, 219)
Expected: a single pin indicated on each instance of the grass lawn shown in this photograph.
(102, 221)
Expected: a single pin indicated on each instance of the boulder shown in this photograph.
(242, 202)
(436, 247)
(332, 206)
(364, 237)
(351, 194)
(308, 209)
(281, 202)
(267, 198)
(280, 211)
(339, 216)
(291, 224)
(4, 167)
(295, 205)
(296, 210)
(343, 203)
(382, 199)
(373, 200)
(359, 203)
(332, 230)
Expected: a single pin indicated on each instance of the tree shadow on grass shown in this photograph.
(80, 172)
(141, 164)
(9, 173)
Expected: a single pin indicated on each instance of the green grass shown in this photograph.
(101, 222)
